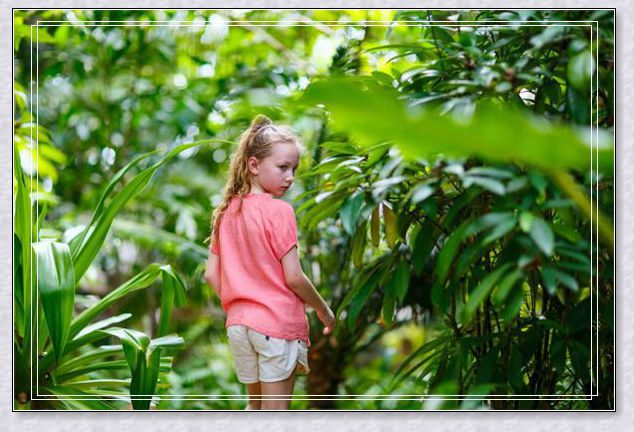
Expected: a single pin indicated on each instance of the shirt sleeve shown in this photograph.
(284, 230)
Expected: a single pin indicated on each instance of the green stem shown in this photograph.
(569, 186)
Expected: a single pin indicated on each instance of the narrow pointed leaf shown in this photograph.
(56, 285)
(542, 235)
(88, 244)
(350, 211)
(481, 291)
(375, 227)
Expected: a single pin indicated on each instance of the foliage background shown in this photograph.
(108, 94)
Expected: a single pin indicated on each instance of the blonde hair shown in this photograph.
(256, 141)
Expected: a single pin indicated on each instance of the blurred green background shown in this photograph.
(445, 198)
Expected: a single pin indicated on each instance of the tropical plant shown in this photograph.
(449, 189)
(493, 243)
(59, 348)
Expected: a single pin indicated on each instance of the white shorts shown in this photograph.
(261, 358)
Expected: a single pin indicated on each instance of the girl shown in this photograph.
(254, 268)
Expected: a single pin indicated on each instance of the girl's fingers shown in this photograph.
(326, 330)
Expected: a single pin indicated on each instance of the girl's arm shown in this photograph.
(299, 283)
(212, 273)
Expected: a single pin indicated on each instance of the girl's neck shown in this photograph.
(256, 189)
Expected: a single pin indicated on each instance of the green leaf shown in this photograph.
(373, 113)
(499, 231)
(579, 358)
(139, 281)
(323, 209)
(358, 301)
(358, 244)
(91, 333)
(340, 147)
(391, 227)
(349, 212)
(558, 354)
(101, 383)
(25, 232)
(132, 341)
(550, 34)
(567, 280)
(56, 285)
(387, 309)
(448, 252)
(421, 193)
(552, 276)
(143, 358)
(549, 279)
(579, 318)
(372, 278)
(513, 304)
(421, 355)
(167, 341)
(526, 221)
(173, 292)
(144, 379)
(580, 70)
(567, 232)
(375, 227)
(515, 373)
(467, 258)
(86, 246)
(74, 362)
(542, 235)
(578, 106)
(110, 365)
(423, 246)
(492, 185)
(400, 278)
(481, 291)
(504, 287)
(90, 402)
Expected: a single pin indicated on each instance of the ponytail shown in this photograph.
(256, 141)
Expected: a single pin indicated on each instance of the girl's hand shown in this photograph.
(328, 319)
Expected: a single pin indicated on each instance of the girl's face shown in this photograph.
(275, 173)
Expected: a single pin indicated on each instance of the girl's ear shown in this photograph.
(254, 165)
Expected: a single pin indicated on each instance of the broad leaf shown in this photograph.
(56, 286)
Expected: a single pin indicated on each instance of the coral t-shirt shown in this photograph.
(253, 290)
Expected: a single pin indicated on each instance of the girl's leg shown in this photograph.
(271, 390)
(255, 396)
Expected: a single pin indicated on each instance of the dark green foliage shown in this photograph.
(446, 188)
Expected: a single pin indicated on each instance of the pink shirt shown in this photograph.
(253, 289)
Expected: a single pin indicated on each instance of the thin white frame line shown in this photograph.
(37, 198)
(613, 90)
(334, 397)
(596, 130)
(30, 288)
(591, 255)
(591, 76)
(593, 161)
(72, 24)
(313, 22)
(313, 9)
(330, 397)
(37, 202)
